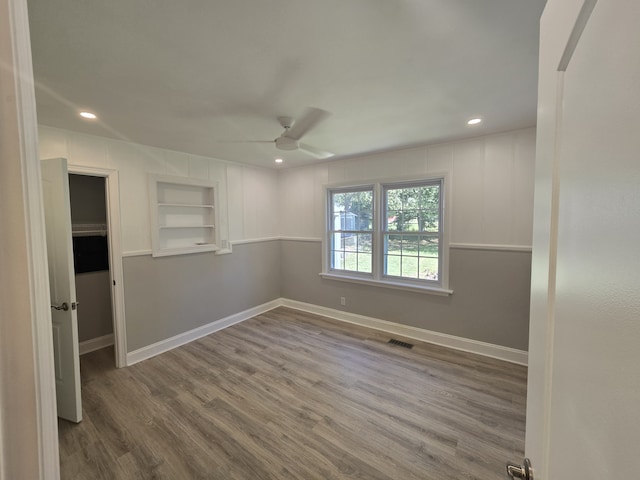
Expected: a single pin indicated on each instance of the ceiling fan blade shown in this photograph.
(316, 152)
(311, 117)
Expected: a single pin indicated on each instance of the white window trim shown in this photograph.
(329, 219)
(397, 285)
(376, 278)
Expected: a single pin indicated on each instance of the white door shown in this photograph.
(55, 182)
(583, 406)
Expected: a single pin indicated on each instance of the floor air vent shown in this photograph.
(399, 343)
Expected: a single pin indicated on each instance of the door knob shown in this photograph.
(523, 472)
(64, 306)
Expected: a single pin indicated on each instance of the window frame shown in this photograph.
(330, 232)
(385, 232)
(377, 276)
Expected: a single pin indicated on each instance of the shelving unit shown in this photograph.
(183, 215)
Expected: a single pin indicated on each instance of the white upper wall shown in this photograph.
(490, 180)
(251, 201)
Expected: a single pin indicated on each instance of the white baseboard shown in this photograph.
(507, 354)
(95, 344)
(162, 346)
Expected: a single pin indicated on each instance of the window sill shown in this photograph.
(389, 284)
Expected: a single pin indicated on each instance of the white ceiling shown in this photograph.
(192, 75)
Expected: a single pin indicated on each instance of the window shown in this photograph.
(411, 231)
(351, 229)
(388, 233)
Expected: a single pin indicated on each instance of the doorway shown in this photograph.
(90, 232)
(98, 259)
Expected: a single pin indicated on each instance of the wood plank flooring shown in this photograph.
(291, 395)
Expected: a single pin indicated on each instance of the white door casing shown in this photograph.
(28, 430)
(55, 183)
(584, 360)
(115, 255)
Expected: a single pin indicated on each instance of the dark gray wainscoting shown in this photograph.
(490, 302)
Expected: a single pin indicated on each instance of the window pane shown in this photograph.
(409, 267)
(365, 220)
(392, 265)
(428, 267)
(410, 220)
(349, 242)
(429, 220)
(428, 246)
(402, 256)
(430, 197)
(364, 243)
(393, 244)
(337, 259)
(352, 210)
(420, 206)
(351, 261)
(394, 199)
(394, 218)
(364, 262)
(410, 245)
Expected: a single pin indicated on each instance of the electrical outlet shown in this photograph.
(343, 301)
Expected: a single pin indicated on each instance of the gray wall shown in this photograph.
(88, 201)
(166, 296)
(490, 302)
(94, 312)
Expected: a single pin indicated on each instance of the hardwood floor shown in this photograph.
(291, 395)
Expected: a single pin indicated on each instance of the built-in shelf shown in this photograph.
(183, 213)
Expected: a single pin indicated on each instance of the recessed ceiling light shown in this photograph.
(279, 160)
(474, 121)
(88, 115)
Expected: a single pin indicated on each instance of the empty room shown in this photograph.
(317, 240)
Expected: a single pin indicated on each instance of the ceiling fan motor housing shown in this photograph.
(286, 122)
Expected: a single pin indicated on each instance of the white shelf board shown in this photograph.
(195, 248)
(186, 205)
(186, 226)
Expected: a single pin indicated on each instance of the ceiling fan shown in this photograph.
(295, 129)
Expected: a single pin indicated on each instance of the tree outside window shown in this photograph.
(411, 235)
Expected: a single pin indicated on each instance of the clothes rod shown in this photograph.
(89, 230)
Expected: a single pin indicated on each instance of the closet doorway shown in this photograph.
(95, 219)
